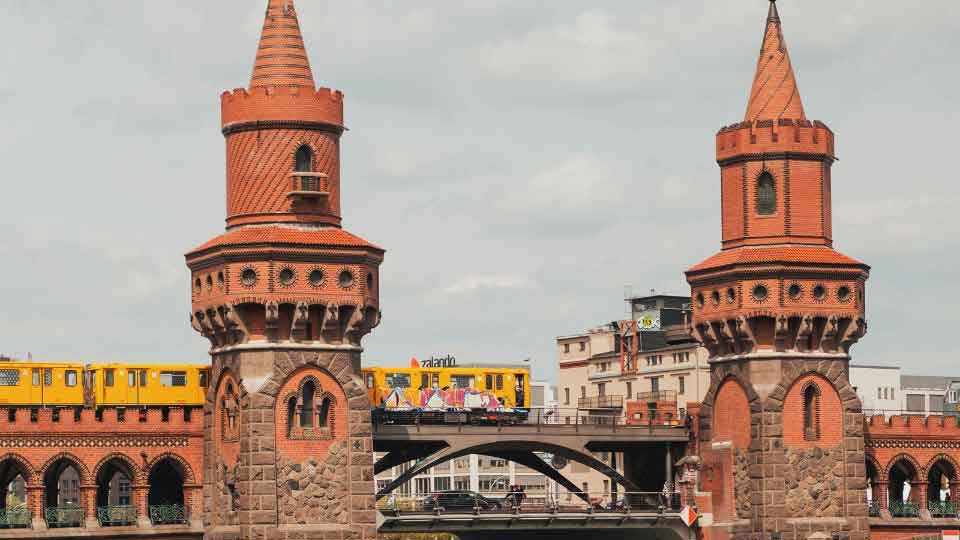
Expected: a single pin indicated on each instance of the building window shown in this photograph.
(602, 389)
(583, 391)
(879, 393)
(681, 382)
(566, 347)
(583, 345)
(304, 159)
(306, 412)
(766, 195)
(655, 384)
(566, 396)
(811, 412)
(629, 389)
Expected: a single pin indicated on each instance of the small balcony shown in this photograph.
(600, 402)
(658, 396)
(309, 185)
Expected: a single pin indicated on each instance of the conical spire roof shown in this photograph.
(775, 94)
(281, 56)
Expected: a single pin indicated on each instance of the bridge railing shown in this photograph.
(468, 502)
(547, 416)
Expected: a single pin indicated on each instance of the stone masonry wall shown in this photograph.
(313, 491)
(814, 479)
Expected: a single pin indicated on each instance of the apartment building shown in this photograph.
(596, 382)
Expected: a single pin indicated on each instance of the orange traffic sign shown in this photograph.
(688, 515)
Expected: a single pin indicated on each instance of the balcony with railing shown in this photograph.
(600, 402)
(308, 185)
(658, 396)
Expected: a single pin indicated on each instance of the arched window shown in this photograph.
(324, 412)
(304, 159)
(306, 413)
(766, 195)
(811, 412)
(291, 414)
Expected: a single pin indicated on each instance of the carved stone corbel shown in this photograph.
(272, 316)
(830, 331)
(803, 334)
(199, 324)
(745, 335)
(301, 316)
(725, 337)
(781, 333)
(855, 330)
(330, 327)
(234, 324)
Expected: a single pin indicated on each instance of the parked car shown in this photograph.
(460, 500)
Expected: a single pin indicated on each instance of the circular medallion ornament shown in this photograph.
(795, 291)
(248, 277)
(287, 277)
(345, 279)
(760, 293)
(843, 294)
(819, 293)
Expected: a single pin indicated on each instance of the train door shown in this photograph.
(520, 392)
(36, 386)
(136, 386)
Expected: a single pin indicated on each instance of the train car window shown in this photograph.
(424, 380)
(462, 381)
(131, 379)
(203, 379)
(489, 382)
(48, 377)
(36, 376)
(436, 380)
(499, 382)
(9, 377)
(370, 381)
(70, 378)
(398, 380)
(108, 377)
(173, 378)
(143, 378)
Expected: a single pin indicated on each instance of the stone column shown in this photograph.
(88, 498)
(883, 498)
(35, 501)
(139, 492)
(921, 498)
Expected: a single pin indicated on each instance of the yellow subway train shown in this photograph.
(31, 384)
(448, 394)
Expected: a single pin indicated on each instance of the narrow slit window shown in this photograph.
(766, 195)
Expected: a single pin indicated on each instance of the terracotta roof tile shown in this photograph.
(777, 254)
(281, 56)
(325, 237)
(775, 94)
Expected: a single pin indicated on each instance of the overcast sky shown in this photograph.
(521, 162)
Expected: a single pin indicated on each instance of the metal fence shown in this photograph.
(468, 502)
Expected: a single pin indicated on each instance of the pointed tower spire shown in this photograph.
(775, 94)
(281, 56)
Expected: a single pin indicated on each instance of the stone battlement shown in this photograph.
(912, 425)
(110, 420)
(772, 137)
(290, 104)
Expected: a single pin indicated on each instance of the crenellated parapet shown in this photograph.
(770, 139)
(262, 107)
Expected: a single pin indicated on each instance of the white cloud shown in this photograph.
(476, 282)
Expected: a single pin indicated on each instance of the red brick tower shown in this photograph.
(285, 295)
(778, 308)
